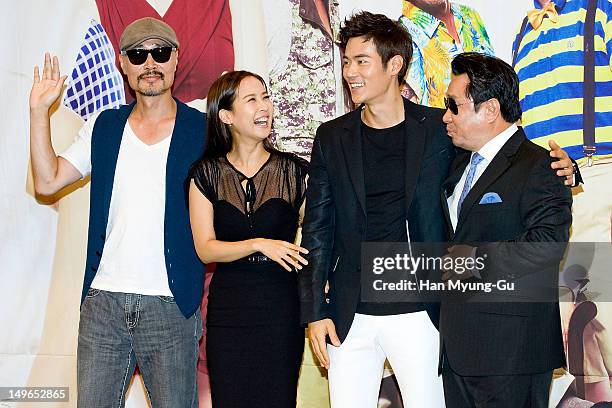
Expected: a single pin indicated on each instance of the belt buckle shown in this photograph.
(258, 258)
(589, 151)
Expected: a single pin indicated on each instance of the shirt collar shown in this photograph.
(559, 4)
(459, 18)
(493, 146)
(428, 23)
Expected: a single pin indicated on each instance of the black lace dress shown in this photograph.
(254, 339)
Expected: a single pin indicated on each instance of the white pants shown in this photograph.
(592, 209)
(411, 344)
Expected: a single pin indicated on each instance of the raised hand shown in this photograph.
(282, 252)
(47, 89)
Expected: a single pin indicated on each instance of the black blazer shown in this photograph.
(335, 219)
(481, 339)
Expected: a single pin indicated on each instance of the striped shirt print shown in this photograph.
(550, 67)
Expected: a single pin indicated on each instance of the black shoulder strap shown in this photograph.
(519, 38)
(588, 113)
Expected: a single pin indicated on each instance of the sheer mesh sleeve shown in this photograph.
(293, 174)
(205, 174)
(282, 176)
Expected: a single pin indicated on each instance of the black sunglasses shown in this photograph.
(138, 56)
(453, 106)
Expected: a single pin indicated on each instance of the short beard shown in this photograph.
(149, 91)
(152, 92)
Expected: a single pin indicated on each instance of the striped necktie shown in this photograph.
(476, 159)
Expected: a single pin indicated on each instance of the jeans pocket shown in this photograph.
(92, 292)
(166, 299)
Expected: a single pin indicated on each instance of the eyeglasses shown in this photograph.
(138, 56)
(453, 106)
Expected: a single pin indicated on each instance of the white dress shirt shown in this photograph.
(488, 151)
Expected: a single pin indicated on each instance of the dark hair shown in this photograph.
(389, 37)
(221, 95)
(490, 77)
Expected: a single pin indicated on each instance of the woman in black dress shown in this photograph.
(245, 200)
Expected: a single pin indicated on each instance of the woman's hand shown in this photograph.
(282, 252)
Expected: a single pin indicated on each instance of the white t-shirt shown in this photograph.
(133, 257)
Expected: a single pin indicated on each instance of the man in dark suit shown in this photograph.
(384, 163)
(500, 193)
(375, 176)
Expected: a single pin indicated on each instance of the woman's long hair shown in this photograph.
(221, 95)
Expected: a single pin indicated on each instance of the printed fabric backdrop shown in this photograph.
(566, 94)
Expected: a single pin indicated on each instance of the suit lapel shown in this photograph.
(414, 146)
(497, 167)
(494, 170)
(352, 147)
(448, 186)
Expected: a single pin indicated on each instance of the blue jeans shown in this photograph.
(118, 331)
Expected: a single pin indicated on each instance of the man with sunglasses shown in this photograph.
(375, 176)
(143, 279)
(501, 197)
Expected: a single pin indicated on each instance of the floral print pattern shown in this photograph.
(434, 48)
(304, 94)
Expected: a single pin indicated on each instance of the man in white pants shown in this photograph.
(375, 176)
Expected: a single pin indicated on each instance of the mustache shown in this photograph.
(151, 72)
